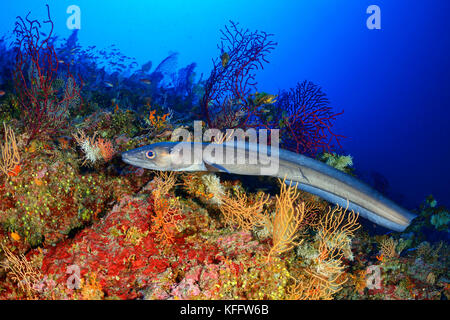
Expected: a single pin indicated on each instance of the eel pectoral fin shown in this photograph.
(214, 167)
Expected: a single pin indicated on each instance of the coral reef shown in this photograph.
(78, 223)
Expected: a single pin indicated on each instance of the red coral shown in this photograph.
(305, 119)
(106, 149)
(123, 269)
(233, 77)
(230, 100)
(45, 108)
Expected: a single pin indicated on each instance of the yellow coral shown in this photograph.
(10, 158)
(325, 275)
(22, 271)
(134, 235)
(287, 220)
(244, 212)
(335, 230)
(310, 286)
(166, 209)
(388, 247)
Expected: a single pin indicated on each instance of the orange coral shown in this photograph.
(106, 149)
(167, 210)
(388, 248)
(334, 230)
(309, 286)
(287, 220)
(156, 121)
(22, 271)
(94, 149)
(243, 212)
(10, 158)
(91, 288)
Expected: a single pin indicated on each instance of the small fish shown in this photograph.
(147, 66)
(224, 57)
(61, 61)
(262, 98)
(146, 81)
(2, 93)
(108, 84)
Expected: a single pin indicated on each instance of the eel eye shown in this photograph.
(150, 154)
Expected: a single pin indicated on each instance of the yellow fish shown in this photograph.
(224, 57)
(266, 99)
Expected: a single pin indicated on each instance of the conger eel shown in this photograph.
(310, 175)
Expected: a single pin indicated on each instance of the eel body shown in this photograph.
(308, 174)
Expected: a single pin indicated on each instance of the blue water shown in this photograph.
(393, 83)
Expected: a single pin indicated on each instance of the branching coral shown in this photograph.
(310, 286)
(305, 119)
(321, 274)
(94, 149)
(157, 122)
(243, 212)
(388, 248)
(225, 101)
(430, 253)
(106, 149)
(391, 248)
(335, 231)
(10, 157)
(167, 209)
(22, 271)
(44, 108)
(287, 220)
